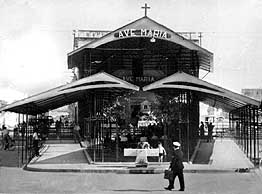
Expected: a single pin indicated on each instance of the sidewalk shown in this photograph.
(226, 157)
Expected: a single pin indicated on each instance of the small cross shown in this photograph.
(145, 7)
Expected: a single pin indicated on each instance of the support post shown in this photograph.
(117, 142)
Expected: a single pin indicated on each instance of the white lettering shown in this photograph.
(156, 33)
(128, 78)
(126, 32)
(120, 34)
(132, 33)
(143, 32)
(164, 35)
(149, 33)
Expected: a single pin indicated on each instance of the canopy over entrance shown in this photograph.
(208, 93)
(69, 93)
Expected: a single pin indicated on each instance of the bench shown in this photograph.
(134, 152)
(141, 155)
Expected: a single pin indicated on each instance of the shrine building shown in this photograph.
(138, 82)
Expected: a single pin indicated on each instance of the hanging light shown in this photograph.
(152, 39)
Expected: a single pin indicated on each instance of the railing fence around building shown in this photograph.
(246, 127)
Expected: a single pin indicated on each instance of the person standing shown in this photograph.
(36, 143)
(76, 133)
(162, 152)
(210, 127)
(57, 127)
(6, 138)
(202, 129)
(177, 167)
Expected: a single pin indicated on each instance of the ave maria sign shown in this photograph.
(142, 33)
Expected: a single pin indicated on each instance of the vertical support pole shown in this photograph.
(251, 127)
(102, 138)
(245, 131)
(18, 139)
(258, 135)
(102, 129)
(254, 131)
(94, 115)
(117, 142)
(23, 137)
(188, 127)
(26, 138)
(242, 128)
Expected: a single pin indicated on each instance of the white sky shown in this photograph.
(36, 35)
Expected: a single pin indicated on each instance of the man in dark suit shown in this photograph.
(177, 167)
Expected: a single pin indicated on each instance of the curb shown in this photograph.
(126, 170)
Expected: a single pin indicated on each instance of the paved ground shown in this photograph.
(8, 158)
(15, 180)
(226, 156)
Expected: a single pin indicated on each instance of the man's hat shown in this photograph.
(177, 144)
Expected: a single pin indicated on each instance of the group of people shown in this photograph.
(161, 149)
(209, 127)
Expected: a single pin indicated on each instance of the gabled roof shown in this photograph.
(208, 93)
(205, 57)
(68, 93)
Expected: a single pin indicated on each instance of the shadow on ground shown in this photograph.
(204, 152)
(70, 158)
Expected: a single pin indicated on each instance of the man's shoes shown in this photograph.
(181, 189)
(168, 188)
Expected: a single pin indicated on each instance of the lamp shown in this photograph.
(152, 39)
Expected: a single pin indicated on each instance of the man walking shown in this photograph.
(177, 167)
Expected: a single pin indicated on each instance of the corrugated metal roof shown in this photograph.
(208, 93)
(69, 93)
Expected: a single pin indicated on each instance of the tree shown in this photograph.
(117, 111)
(166, 109)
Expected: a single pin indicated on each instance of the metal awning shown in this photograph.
(208, 93)
(69, 93)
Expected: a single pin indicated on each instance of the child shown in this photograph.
(162, 152)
